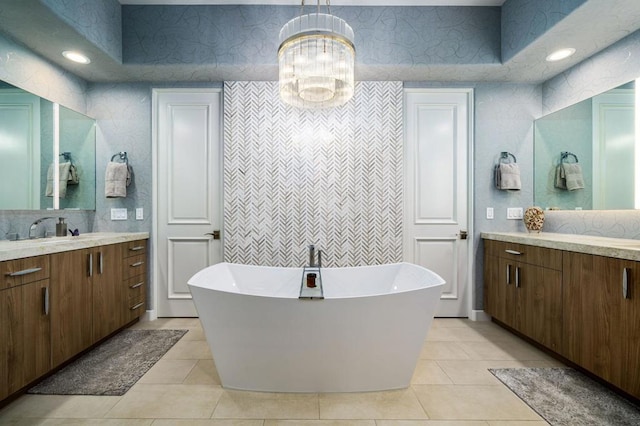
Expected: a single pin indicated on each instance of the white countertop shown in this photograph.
(10, 250)
(601, 246)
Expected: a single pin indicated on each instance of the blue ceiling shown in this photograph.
(216, 43)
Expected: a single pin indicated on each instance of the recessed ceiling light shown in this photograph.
(76, 57)
(561, 54)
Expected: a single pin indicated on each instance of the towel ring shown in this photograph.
(564, 155)
(504, 155)
(122, 156)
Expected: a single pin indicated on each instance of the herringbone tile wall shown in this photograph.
(330, 177)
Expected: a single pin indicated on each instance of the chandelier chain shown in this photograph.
(327, 3)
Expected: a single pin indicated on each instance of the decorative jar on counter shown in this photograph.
(534, 219)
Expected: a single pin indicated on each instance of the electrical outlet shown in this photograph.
(489, 212)
(139, 213)
(514, 213)
(118, 214)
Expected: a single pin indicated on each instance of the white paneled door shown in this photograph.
(437, 128)
(614, 151)
(187, 176)
(20, 150)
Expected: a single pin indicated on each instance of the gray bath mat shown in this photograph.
(113, 367)
(563, 396)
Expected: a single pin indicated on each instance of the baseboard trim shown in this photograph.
(479, 315)
(149, 315)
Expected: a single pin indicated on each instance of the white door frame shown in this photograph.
(152, 313)
(470, 288)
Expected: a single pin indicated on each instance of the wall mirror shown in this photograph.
(598, 134)
(36, 138)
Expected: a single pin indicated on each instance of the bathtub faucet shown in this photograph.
(312, 257)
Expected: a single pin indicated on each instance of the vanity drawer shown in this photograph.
(134, 248)
(136, 287)
(137, 308)
(23, 271)
(539, 256)
(134, 266)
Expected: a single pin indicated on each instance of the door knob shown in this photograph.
(463, 235)
(215, 234)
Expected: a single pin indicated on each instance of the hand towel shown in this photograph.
(560, 181)
(115, 180)
(73, 175)
(510, 176)
(573, 176)
(63, 178)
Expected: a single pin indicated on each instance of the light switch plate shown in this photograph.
(514, 213)
(118, 214)
(489, 212)
(139, 213)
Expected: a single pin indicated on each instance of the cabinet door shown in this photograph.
(538, 304)
(36, 330)
(10, 348)
(505, 292)
(631, 330)
(491, 282)
(592, 302)
(4, 343)
(71, 304)
(25, 353)
(107, 290)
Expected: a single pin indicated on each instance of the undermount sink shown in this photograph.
(45, 241)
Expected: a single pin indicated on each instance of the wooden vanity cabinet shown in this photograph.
(584, 307)
(71, 304)
(107, 290)
(55, 306)
(86, 298)
(134, 277)
(25, 351)
(523, 289)
(601, 321)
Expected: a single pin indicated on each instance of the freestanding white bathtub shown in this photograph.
(365, 335)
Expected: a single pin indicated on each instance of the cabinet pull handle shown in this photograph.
(136, 248)
(23, 272)
(101, 262)
(517, 277)
(137, 306)
(517, 253)
(45, 300)
(136, 285)
(508, 274)
(625, 283)
(90, 264)
(136, 264)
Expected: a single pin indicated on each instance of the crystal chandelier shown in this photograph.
(316, 60)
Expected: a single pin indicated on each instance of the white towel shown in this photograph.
(560, 180)
(63, 169)
(510, 176)
(115, 180)
(73, 175)
(573, 176)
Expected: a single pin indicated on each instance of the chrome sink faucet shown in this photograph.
(34, 227)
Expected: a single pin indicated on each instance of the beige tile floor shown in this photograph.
(451, 387)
